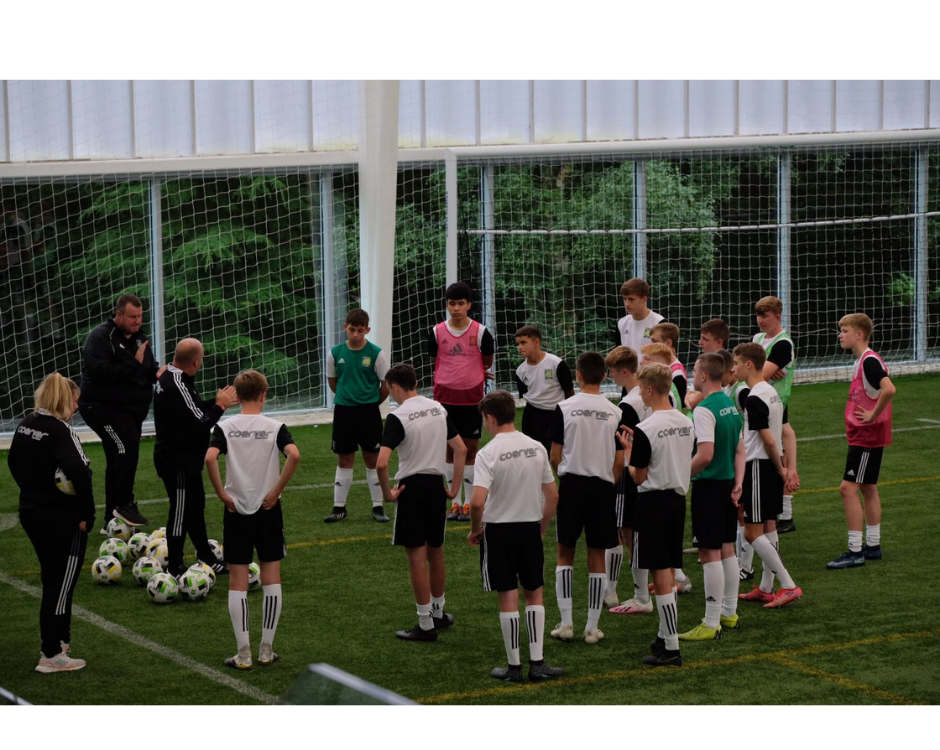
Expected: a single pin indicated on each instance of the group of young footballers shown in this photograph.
(623, 473)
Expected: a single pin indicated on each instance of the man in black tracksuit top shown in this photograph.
(184, 423)
(118, 373)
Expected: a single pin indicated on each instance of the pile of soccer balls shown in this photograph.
(148, 552)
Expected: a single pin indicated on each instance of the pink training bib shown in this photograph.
(458, 369)
(876, 434)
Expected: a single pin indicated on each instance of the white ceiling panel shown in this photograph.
(102, 115)
(809, 107)
(711, 108)
(283, 116)
(558, 111)
(504, 112)
(905, 105)
(223, 118)
(163, 118)
(335, 115)
(858, 105)
(611, 110)
(761, 107)
(451, 112)
(662, 109)
(40, 124)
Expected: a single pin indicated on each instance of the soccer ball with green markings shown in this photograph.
(137, 544)
(115, 547)
(203, 568)
(216, 549)
(119, 530)
(194, 585)
(144, 569)
(163, 588)
(254, 576)
(106, 569)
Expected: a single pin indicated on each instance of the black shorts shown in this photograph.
(535, 424)
(625, 501)
(863, 465)
(762, 498)
(262, 531)
(512, 554)
(467, 420)
(660, 529)
(586, 504)
(420, 512)
(357, 427)
(714, 515)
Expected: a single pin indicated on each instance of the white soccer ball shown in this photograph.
(217, 549)
(137, 544)
(194, 585)
(106, 569)
(163, 588)
(254, 576)
(119, 530)
(63, 483)
(158, 533)
(202, 567)
(114, 546)
(158, 553)
(144, 569)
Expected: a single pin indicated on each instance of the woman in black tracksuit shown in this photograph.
(55, 516)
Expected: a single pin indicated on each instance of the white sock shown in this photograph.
(597, 583)
(855, 541)
(467, 482)
(238, 611)
(787, 514)
(437, 606)
(746, 555)
(341, 485)
(641, 579)
(424, 616)
(873, 535)
(613, 559)
(375, 487)
(563, 575)
(714, 574)
(772, 562)
(667, 620)
(272, 611)
(767, 575)
(509, 623)
(681, 577)
(535, 625)
(729, 596)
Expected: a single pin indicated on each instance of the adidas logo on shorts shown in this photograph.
(851, 473)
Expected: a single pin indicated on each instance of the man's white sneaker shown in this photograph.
(61, 662)
(633, 607)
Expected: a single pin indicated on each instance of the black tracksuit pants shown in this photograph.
(187, 516)
(119, 429)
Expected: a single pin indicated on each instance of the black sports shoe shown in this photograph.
(785, 526)
(508, 674)
(658, 646)
(177, 571)
(665, 659)
(378, 514)
(872, 553)
(130, 515)
(746, 575)
(219, 568)
(417, 634)
(539, 670)
(337, 514)
(444, 621)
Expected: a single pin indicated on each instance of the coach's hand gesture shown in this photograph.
(226, 397)
(625, 437)
(141, 350)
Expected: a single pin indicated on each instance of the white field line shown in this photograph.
(933, 426)
(138, 640)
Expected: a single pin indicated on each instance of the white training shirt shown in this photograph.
(419, 430)
(252, 444)
(512, 468)
(762, 409)
(663, 443)
(543, 390)
(635, 401)
(636, 333)
(586, 427)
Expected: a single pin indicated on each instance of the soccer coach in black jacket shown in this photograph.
(118, 373)
(184, 423)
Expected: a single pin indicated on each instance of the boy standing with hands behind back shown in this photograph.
(355, 372)
(463, 351)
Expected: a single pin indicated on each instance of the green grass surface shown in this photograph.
(865, 636)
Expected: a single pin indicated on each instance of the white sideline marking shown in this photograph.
(8, 520)
(138, 640)
(932, 421)
(933, 426)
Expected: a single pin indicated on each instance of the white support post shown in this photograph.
(921, 269)
(378, 175)
(157, 325)
(783, 237)
(329, 280)
(639, 219)
(450, 249)
(488, 248)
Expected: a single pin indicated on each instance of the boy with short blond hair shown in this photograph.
(760, 481)
(659, 454)
(355, 372)
(544, 380)
(253, 519)
(463, 352)
(868, 429)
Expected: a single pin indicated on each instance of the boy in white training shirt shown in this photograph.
(635, 327)
(253, 520)
(544, 380)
